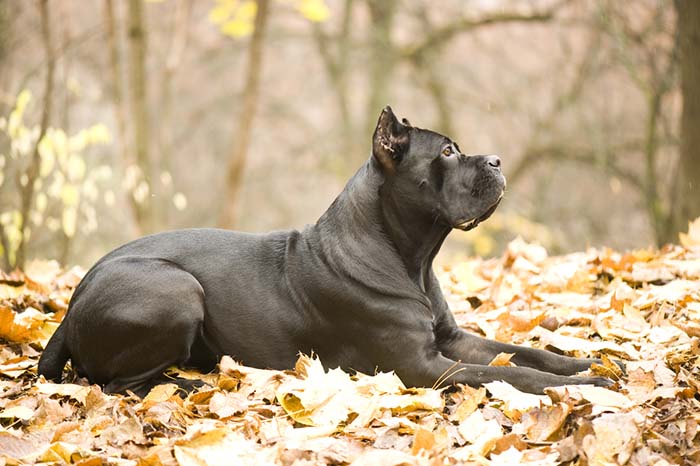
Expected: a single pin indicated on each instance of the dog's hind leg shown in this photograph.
(133, 319)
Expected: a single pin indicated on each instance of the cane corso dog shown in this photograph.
(357, 288)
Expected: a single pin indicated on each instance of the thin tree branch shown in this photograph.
(246, 117)
(138, 45)
(583, 155)
(447, 32)
(5, 248)
(27, 191)
(336, 69)
(125, 158)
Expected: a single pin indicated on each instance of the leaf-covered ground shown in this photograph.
(642, 307)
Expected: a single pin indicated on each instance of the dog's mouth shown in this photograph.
(472, 223)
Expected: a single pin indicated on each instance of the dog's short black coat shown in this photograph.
(357, 287)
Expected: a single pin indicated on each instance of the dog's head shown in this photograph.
(431, 173)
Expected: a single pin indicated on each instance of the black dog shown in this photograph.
(357, 288)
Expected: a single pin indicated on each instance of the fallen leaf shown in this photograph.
(160, 393)
(539, 424)
(616, 435)
(691, 239)
(502, 359)
(480, 434)
(77, 392)
(22, 413)
(422, 440)
(225, 405)
(514, 399)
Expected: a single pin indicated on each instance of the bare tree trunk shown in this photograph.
(183, 11)
(687, 195)
(242, 135)
(655, 210)
(126, 160)
(27, 191)
(382, 61)
(180, 32)
(139, 109)
(64, 19)
(428, 70)
(336, 65)
(4, 40)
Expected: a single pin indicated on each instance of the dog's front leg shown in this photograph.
(408, 344)
(460, 345)
(434, 369)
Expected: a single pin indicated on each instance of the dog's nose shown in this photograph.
(493, 161)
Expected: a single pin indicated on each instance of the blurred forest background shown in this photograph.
(124, 117)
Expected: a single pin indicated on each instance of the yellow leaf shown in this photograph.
(692, 238)
(18, 412)
(60, 452)
(48, 158)
(542, 422)
(69, 195)
(76, 168)
(314, 10)
(77, 392)
(295, 409)
(502, 359)
(422, 440)
(16, 367)
(161, 392)
(69, 221)
(98, 134)
(237, 28)
(222, 446)
(514, 399)
(22, 327)
(480, 433)
(225, 405)
(221, 12)
(469, 405)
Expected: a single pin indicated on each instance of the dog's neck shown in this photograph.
(417, 236)
(379, 222)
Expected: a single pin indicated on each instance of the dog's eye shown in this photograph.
(447, 151)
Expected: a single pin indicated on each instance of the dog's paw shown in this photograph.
(590, 380)
(621, 365)
(598, 381)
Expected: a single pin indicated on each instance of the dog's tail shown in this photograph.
(55, 356)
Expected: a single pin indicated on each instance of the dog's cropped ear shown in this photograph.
(390, 140)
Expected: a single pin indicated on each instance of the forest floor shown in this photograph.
(642, 307)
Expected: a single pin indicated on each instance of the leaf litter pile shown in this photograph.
(642, 307)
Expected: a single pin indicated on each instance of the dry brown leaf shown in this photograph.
(514, 399)
(502, 359)
(160, 393)
(77, 392)
(29, 325)
(384, 458)
(507, 442)
(221, 446)
(691, 240)
(602, 399)
(469, 404)
(23, 413)
(225, 405)
(422, 440)
(540, 424)
(481, 435)
(15, 367)
(608, 369)
(652, 325)
(615, 437)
